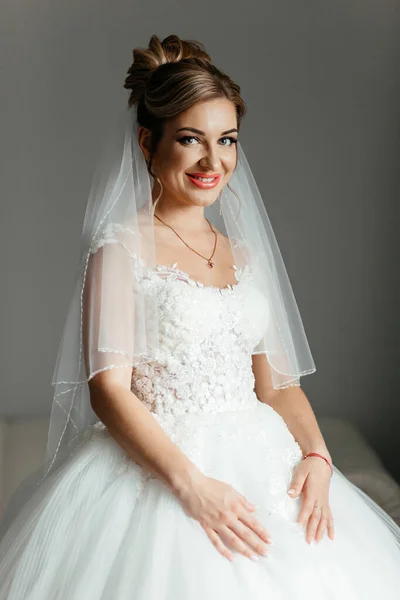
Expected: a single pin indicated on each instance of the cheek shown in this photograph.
(230, 162)
(175, 163)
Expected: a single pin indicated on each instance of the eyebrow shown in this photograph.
(202, 132)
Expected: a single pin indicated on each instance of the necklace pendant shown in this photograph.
(211, 264)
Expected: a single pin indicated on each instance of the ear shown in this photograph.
(144, 140)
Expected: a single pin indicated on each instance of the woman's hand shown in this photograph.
(226, 517)
(312, 477)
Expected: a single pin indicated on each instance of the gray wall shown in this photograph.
(322, 135)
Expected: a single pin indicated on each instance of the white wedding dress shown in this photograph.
(102, 528)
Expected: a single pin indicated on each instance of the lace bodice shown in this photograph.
(199, 383)
(207, 335)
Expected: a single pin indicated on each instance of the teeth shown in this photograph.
(206, 179)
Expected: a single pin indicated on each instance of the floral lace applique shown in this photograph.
(202, 374)
(109, 235)
(171, 273)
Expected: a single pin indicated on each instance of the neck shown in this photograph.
(182, 217)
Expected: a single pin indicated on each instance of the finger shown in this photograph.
(313, 523)
(256, 526)
(249, 537)
(330, 527)
(306, 510)
(321, 528)
(218, 543)
(232, 540)
(297, 485)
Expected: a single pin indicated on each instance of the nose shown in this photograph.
(211, 161)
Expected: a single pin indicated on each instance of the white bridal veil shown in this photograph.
(112, 319)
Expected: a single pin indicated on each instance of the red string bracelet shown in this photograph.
(320, 456)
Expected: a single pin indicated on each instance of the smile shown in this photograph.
(204, 182)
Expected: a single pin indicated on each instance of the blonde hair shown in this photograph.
(172, 75)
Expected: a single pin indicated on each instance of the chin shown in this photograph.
(205, 201)
(204, 198)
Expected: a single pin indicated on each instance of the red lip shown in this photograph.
(203, 184)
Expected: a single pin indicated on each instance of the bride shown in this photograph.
(184, 460)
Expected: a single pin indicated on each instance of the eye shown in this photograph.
(183, 140)
(231, 140)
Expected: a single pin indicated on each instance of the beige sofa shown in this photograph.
(355, 458)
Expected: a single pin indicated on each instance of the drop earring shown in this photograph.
(220, 202)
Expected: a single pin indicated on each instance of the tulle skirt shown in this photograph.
(99, 527)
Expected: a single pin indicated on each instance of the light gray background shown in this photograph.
(321, 83)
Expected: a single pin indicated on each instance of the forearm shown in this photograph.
(135, 429)
(293, 406)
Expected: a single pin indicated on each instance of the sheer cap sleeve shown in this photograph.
(117, 330)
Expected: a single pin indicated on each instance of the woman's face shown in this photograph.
(200, 142)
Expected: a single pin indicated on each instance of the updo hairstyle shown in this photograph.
(169, 77)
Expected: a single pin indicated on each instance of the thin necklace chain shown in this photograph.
(210, 263)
